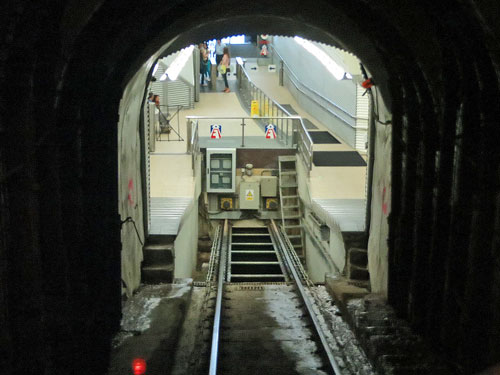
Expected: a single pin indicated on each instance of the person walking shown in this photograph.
(219, 52)
(224, 67)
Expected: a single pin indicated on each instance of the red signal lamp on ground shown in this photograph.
(139, 366)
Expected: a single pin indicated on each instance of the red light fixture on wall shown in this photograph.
(139, 366)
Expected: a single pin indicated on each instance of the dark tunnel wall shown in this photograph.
(63, 67)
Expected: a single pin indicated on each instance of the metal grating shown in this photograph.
(347, 214)
(167, 213)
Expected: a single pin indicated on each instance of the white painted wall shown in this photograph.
(339, 117)
(187, 72)
(130, 178)
(130, 194)
(378, 249)
(311, 72)
(186, 243)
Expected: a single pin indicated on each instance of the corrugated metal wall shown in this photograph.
(178, 93)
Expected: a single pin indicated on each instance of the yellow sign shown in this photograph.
(249, 195)
(254, 108)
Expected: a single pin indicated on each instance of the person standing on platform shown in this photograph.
(224, 67)
(219, 52)
(203, 63)
(209, 64)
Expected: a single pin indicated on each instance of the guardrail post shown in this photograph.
(189, 132)
(281, 73)
(242, 132)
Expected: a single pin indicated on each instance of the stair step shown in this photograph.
(285, 186)
(158, 274)
(255, 263)
(288, 173)
(157, 255)
(292, 226)
(250, 235)
(291, 217)
(289, 196)
(287, 158)
(252, 243)
(252, 252)
(248, 276)
(250, 230)
(292, 236)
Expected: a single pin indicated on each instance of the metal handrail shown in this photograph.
(214, 353)
(286, 133)
(353, 116)
(305, 143)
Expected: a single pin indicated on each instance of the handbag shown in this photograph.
(222, 69)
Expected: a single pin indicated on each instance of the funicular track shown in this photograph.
(265, 326)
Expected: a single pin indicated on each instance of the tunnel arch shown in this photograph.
(435, 63)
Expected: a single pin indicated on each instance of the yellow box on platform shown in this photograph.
(254, 108)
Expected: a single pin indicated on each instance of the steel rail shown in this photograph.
(218, 302)
(326, 348)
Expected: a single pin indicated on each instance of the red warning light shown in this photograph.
(367, 84)
(139, 366)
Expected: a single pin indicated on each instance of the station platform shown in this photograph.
(330, 186)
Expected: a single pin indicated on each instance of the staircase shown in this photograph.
(157, 265)
(252, 256)
(290, 202)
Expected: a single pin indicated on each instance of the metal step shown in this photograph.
(250, 276)
(291, 217)
(289, 196)
(287, 158)
(288, 186)
(250, 230)
(255, 262)
(292, 226)
(252, 243)
(253, 252)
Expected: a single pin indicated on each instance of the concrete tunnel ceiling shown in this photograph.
(87, 54)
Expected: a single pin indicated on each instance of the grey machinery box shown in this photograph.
(269, 186)
(249, 195)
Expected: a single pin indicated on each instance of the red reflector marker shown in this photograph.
(139, 366)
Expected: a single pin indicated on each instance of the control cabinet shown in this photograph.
(221, 170)
(249, 195)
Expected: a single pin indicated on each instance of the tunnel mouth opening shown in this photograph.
(153, 67)
(73, 85)
(145, 92)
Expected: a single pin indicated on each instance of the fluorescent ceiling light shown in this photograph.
(335, 69)
(175, 68)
